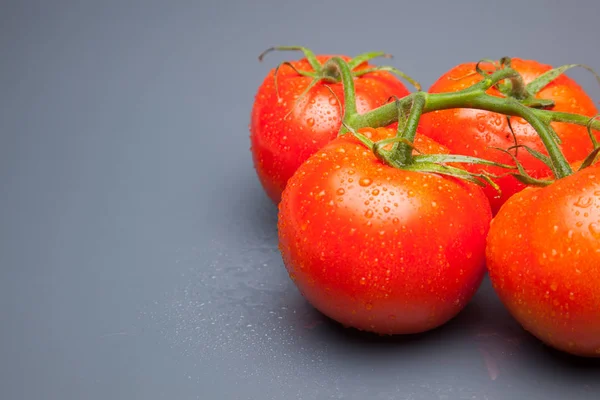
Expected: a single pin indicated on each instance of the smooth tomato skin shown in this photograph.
(280, 143)
(543, 256)
(476, 132)
(378, 248)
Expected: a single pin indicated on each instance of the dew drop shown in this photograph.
(595, 229)
(395, 220)
(369, 213)
(340, 191)
(365, 182)
(584, 202)
(375, 192)
(310, 121)
(369, 306)
(333, 101)
(386, 209)
(554, 286)
(363, 281)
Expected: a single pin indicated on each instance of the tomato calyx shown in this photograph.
(325, 73)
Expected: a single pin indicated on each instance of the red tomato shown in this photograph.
(474, 132)
(543, 255)
(281, 143)
(379, 248)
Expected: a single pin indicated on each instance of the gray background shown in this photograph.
(138, 253)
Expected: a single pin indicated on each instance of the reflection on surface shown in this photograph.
(237, 309)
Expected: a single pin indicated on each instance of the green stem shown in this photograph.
(403, 153)
(477, 99)
(338, 68)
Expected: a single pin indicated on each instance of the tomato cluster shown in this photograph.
(397, 250)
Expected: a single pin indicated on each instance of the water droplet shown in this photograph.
(333, 101)
(570, 233)
(433, 204)
(595, 229)
(375, 192)
(395, 220)
(369, 213)
(351, 172)
(554, 286)
(572, 296)
(369, 306)
(341, 150)
(310, 121)
(481, 127)
(584, 202)
(578, 224)
(363, 281)
(480, 115)
(386, 209)
(365, 182)
(340, 191)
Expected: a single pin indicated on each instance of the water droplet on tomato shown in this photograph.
(595, 229)
(363, 281)
(498, 120)
(340, 191)
(310, 121)
(369, 306)
(386, 209)
(375, 192)
(350, 172)
(480, 115)
(584, 202)
(369, 213)
(395, 220)
(365, 182)
(481, 127)
(554, 286)
(572, 296)
(333, 101)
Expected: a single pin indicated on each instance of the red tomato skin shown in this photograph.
(378, 248)
(543, 256)
(475, 132)
(280, 143)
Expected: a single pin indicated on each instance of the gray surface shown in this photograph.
(138, 253)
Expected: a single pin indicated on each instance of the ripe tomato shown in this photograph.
(284, 135)
(378, 248)
(543, 255)
(475, 132)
